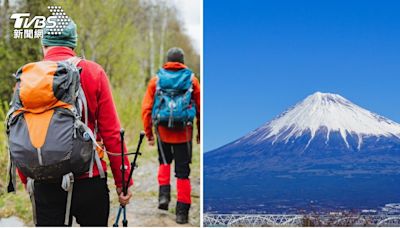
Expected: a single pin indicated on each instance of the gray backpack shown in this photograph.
(47, 140)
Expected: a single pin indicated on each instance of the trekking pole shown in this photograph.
(133, 164)
(122, 135)
(122, 207)
(125, 185)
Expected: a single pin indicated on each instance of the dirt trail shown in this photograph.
(143, 211)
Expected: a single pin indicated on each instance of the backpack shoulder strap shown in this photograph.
(158, 77)
(192, 76)
(75, 60)
(82, 97)
(190, 89)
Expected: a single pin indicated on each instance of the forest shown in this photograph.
(128, 38)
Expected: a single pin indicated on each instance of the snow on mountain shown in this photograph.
(330, 111)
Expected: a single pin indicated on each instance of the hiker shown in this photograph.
(171, 102)
(90, 201)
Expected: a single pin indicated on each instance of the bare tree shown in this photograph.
(164, 24)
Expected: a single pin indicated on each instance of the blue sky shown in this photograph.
(262, 56)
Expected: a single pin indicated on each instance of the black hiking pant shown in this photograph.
(181, 153)
(90, 203)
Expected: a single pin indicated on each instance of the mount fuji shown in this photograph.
(325, 152)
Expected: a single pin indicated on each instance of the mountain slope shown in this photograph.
(325, 135)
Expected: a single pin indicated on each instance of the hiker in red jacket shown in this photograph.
(90, 198)
(174, 141)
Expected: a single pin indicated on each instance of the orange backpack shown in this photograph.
(47, 139)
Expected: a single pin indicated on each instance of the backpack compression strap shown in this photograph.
(12, 170)
(30, 186)
(95, 157)
(68, 185)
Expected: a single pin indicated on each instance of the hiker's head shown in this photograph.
(67, 38)
(175, 54)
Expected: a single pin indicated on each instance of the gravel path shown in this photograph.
(143, 211)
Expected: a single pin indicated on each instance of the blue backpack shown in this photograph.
(173, 106)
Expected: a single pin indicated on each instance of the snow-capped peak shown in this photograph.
(333, 112)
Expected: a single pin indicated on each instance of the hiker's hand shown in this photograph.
(124, 200)
(198, 139)
(151, 141)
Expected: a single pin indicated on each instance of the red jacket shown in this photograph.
(101, 108)
(169, 135)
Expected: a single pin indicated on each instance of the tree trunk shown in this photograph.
(162, 38)
(6, 22)
(151, 40)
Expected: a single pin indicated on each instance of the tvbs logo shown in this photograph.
(39, 22)
(25, 27)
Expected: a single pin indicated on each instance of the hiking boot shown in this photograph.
(182, 213)
(164, 197)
